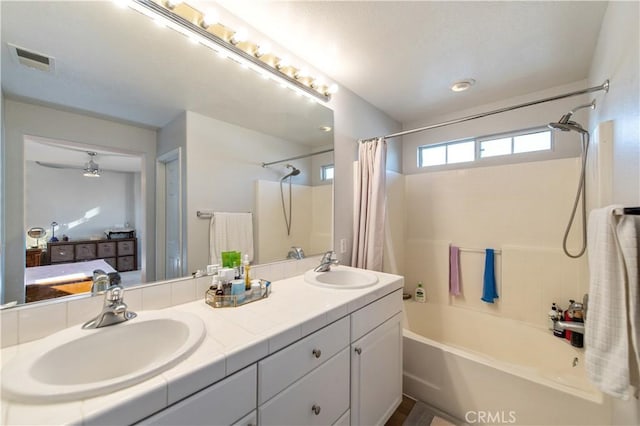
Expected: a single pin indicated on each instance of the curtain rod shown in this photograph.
(604, 86)
(298, 157)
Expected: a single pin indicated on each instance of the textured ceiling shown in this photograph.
(402, 56)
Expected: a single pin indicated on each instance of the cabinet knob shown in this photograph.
(315, 409)
(317, 353)
(358, 350)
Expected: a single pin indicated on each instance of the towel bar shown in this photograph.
(635, 211)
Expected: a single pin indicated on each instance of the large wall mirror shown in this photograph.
(172, 129)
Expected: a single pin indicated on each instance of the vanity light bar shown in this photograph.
(246, 53)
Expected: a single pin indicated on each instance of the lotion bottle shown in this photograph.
(421, 295)
(247, 275)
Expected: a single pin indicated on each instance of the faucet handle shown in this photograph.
(114, 294)
(328, 256)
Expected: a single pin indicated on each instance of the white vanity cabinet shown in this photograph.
(376, 360)
(226, 402)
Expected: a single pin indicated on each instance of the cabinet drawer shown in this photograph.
(107, 249)
(61, 253)
(125, 248)
(222, 403)
(85, 251)
(286, 366)
(112, 262)
(326, 389)
(126, 263)
(369, 317)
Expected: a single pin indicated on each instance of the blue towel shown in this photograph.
(489, 291)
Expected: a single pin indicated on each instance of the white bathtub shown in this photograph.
(484, 369)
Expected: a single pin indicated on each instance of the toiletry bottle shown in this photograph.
(219, 296)
(247, 275)
(556, 331)
(420, 293)
(567, 317)
(553, 316)
(577, 315)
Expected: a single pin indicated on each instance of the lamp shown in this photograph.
(91, 169)
(232, 44)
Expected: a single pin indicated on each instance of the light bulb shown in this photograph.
(333, 89)
(302, 72)
(210, 18)
(283, 62)
(239, 36)
(263, 49)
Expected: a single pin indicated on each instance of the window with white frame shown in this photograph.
(477, 149)
(326, 172)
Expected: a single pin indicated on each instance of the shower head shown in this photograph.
(566, 124)
(293, 172)
(567, 127)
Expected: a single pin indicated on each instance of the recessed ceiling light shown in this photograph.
(326, 128)
(462, 85)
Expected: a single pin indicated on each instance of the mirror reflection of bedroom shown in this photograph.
(82, 214)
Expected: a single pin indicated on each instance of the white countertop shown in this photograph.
(236, 338)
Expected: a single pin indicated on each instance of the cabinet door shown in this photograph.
(376, 374)
(222, 403)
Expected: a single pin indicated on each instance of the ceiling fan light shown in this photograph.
(92, 169)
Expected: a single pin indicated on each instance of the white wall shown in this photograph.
(83, 207)
(617, 57)
(355, 118)
(21, 119)
(223, 162)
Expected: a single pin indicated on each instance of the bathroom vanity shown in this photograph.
(306, 355)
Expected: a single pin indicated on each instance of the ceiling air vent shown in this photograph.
(32, 59)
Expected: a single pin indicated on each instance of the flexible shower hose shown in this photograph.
(287, 221)
(581, 191)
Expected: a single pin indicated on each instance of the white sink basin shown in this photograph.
(341, 277)
(76, 364)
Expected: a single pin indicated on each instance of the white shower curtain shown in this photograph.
(369, 205)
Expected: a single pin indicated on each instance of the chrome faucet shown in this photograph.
(296, 253)
(114, 310)
(100, 281)
(326, 262)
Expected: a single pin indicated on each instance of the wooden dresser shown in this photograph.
(121, 254)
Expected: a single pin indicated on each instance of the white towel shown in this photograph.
(230, 232)
(612, 315)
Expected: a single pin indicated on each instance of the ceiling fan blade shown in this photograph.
(58, 166)
(65, 166)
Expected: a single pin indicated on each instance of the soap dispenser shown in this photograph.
(421, 294)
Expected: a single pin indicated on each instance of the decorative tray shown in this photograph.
(233, 301)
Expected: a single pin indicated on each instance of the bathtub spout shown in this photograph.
(574, 327)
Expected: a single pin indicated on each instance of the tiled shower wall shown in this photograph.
(521, 209)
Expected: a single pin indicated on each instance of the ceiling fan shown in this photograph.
(91, 168)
